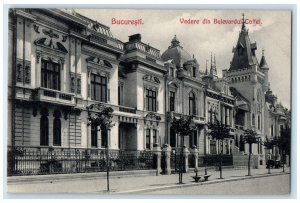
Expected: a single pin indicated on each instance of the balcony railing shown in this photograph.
(143, 47)
(44, 94)
(50, 160)
(127, 109)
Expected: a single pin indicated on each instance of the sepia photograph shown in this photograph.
(149, 101)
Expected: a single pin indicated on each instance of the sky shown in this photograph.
(273, 35)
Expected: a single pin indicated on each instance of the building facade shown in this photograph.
(61, 63)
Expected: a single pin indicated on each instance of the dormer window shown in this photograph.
(194, 72)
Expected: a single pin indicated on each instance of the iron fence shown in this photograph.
(214, 160)
(49, 160)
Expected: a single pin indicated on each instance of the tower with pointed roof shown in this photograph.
(248, 79)
(265, 69)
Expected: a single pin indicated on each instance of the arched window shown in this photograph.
(57, 132)
(44, 131)
(192, 104)
(57, 128)
(94, 135)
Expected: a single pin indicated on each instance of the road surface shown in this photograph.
(273, 185)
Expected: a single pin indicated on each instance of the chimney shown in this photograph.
(135, 38)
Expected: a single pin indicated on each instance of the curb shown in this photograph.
(152, 189)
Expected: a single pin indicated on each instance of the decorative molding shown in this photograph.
(19, 72)
(152, 117)
(79, 84)
(50, 33)
(36, 28)
(42, 42)
(64, 38)
(27, 73)
(151, 78)
(72, 81)
(75, 83)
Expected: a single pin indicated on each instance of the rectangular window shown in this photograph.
(99, 88)
(213, 147)
(50, 75)
(172, 138)
(104, 138)
(172, 101)
(258, 122)
(147, 138)
(272, 130)
(155, 134)
(172, 72)
(120, 95)
(151, 100)
(94, 137)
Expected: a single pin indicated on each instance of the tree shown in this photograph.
(283, 142)
(250, 137)
(182, 127)
(219, 132)
(101, 116)
(269, 144)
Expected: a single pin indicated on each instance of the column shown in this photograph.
(231, 118)
(223, 115)
(195, 156)
(167, 152)
(186, 153)
(227, 116)
(157, 153)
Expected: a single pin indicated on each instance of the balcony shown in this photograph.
(196, 118)
(54, 96)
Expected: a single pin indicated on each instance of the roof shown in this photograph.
(263, 63)
(177, 53)
(244, 52)
(241, 101)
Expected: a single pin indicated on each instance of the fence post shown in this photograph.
(287, 160)
(186, 153)
(157, 152)
(167, 151)
(195, 156)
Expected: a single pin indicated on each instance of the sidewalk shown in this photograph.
(132, 184)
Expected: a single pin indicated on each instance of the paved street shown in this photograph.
(273, 185)
(142, 183)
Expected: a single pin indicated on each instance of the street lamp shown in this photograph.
(174, 152)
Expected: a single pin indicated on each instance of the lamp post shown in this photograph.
(174, 152)
(269, 164)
